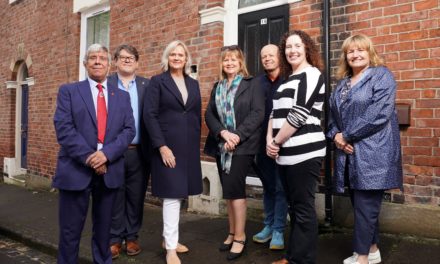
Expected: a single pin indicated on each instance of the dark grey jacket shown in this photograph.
(249, 115)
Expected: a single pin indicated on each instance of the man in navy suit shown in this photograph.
(90, 160)
(129, 203)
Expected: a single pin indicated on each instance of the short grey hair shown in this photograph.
(171, 47)
(96, 47)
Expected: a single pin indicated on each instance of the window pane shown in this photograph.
(98, 29)
(246, 3)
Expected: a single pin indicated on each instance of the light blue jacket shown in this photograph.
(368, 120)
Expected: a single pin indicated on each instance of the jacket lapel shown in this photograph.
(358, 85)
(242, 86)
(111, 103)
(86, 94)
(140, 86)
(192, 92)
(172, 87)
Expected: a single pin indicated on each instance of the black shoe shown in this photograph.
(225, 247)
(233, 255)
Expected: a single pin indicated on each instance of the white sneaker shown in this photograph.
(373, 258)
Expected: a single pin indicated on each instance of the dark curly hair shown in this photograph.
(312, 55)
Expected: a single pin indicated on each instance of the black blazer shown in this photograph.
(249, 116)
(141, 85)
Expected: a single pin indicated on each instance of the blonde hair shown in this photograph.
(360, 41)
(229, 51)
(169, 49)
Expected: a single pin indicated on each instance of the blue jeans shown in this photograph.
(274, 200)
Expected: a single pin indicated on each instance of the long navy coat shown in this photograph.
(172, 123)
(368, 120)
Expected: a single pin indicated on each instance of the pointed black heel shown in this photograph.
(233, 255)
(225, 247)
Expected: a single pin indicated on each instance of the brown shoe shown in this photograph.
(116, 250)
(180, 248)
(133, 248)
(281, 261)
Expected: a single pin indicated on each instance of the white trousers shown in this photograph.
(171, 215)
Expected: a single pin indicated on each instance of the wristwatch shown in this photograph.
(275, 143)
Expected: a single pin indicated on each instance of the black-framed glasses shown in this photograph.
(127, 58)
(231, 47)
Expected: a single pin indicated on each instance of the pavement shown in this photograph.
(31, 217)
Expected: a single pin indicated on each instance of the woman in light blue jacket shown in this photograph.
(363, 124)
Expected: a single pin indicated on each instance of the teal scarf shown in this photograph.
(224, 100)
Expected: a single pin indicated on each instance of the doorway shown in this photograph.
(259, 28)
(24, 124)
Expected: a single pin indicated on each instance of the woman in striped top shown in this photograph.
(296, 140)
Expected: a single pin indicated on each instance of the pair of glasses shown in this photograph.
(127, 58)
(231, 47)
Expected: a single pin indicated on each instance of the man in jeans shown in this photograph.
(275, 205)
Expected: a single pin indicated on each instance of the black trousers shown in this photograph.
(128, 208)
(299, 182)
(366, 206)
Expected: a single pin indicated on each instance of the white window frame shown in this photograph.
(263, 6)
(93, 11)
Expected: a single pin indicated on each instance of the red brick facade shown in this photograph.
(406, 33)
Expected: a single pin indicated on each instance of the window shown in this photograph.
(246, 3)
(98, 29)
(95, 28)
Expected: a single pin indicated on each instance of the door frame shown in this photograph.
(22, 78)
(230, 25)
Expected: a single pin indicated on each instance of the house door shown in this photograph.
(260, 28)
(24, 124)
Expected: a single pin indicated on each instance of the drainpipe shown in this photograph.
(328, 159)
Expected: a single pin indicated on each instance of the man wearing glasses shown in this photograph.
(94, 126)
(129, 203)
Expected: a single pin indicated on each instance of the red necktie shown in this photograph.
(101, 114)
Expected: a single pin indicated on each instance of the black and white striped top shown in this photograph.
(299, 101)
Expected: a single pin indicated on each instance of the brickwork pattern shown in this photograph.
(406, 34)
(50, 34)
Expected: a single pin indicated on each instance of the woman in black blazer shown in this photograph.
(234, 117)
(172, 115)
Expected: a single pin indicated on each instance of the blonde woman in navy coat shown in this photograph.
(172, 115)
(364, 127)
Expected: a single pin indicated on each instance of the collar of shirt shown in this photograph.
(130, 84)
(95, 91)
(93, 84)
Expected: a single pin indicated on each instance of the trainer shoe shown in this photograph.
(264, 235)
(277, 242)
(373, 258)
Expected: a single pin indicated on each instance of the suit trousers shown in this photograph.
(171, 216)
(366, 206)
(128, 208)
(299, 182)
(73, 208)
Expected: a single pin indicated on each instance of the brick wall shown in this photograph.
(407, 35)
(150, 31)
(49, 31)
